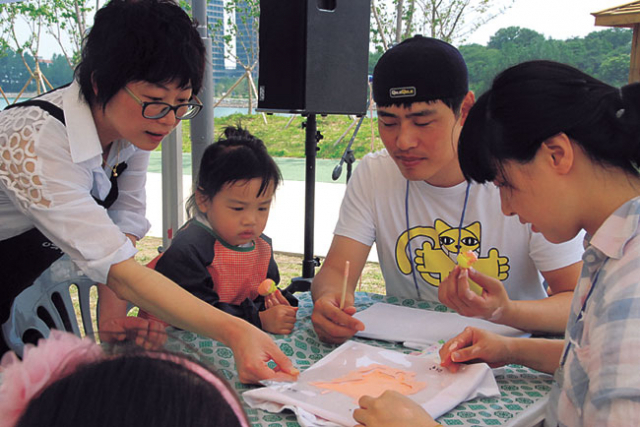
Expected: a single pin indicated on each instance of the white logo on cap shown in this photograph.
(402, 92)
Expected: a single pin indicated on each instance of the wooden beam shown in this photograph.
(625, 15)
(634, 70)
(627, 20)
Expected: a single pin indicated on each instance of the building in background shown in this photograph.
(215, 13)
(245, 45)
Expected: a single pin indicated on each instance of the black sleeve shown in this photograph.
(187, 266)
(247, 310)
(272, 272)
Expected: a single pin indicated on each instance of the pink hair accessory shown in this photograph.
(60, 355)
(41, 365)
(228, 395)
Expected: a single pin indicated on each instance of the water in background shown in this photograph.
(218, 112)
(3, 103)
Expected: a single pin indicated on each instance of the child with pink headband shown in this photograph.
(69, 381)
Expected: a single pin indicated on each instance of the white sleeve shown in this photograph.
(128, 212)
(549, 256)
(356, 219)
(55, 193)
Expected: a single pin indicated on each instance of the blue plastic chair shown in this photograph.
(47, 305)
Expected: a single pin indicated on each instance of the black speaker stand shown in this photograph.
(347, 157)
(309, 263)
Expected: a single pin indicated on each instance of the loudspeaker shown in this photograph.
(313, 56)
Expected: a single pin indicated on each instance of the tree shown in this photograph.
(13, 73)
(517, 45)
(483, 64)
(68, 21)
(604, 54)
(58, 71)
(515, 36)
(448, 20)
(60, 18)
(32, 14)
(615, 69)
(240, 30)
(373, 60)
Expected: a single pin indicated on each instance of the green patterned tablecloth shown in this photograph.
(520, 387)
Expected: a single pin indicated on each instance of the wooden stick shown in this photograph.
(344, 284)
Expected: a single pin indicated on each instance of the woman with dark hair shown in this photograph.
(564, 149)
(73, 168)
(71, 382)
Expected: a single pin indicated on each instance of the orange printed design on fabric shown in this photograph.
(373, 380)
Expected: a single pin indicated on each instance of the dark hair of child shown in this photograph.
(150, 40)
(131, 391)
(533, 101)
(235, 157)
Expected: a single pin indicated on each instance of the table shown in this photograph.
(523, 390)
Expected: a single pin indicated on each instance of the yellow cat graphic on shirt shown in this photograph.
(436, 249)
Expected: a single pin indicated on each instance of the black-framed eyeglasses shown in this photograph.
(157, 109)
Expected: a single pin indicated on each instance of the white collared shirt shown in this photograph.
(49, 174)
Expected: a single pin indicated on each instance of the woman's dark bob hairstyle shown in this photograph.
(535, 100)
(139, 40)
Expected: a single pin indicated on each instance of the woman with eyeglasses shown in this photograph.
(73, 166)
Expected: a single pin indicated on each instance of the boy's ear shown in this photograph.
(466, 105)
(558, 152)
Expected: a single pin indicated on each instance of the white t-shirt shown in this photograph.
(49, 173)
(373, 210)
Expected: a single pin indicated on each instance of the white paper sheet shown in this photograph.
(317, 406)
(416, 327)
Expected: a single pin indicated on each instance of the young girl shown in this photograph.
(73, 167)
(72, 382)
(220, 255)
(564, 149)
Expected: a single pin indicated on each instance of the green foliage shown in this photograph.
(288, 141)
(224, 84)
(14, 75)
(604, 54)
(615, 68)
(64, 20)
(58, 72)
(373, 60)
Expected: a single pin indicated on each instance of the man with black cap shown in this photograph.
(412, 200)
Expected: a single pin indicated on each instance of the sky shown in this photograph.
(558, 19)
